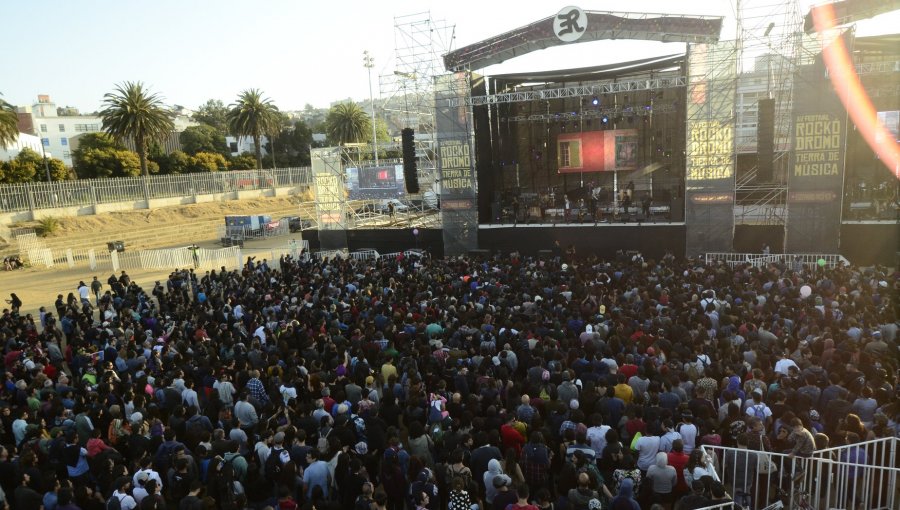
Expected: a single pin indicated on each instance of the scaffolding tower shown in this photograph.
(407, 90)
(770, 36)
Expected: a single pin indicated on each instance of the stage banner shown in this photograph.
(456, 163)
(709, 172)
(597, 151)
(816, 174)
(331, 198)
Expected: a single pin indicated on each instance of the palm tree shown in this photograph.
(347, 123)
(253, 116)
(131, 111)
(9, 124)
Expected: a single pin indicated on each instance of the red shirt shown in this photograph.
(629, 371)
(511, 438)
(679, 461)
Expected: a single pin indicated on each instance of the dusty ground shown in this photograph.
(116, 221)
(38, 287)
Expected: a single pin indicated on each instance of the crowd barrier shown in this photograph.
(763, 259)
(863, 475)
(85, 192)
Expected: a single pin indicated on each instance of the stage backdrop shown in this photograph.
(597, 151)
(456, 163)
(709, 172)
(816, 178)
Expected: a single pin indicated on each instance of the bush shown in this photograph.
(47, 225)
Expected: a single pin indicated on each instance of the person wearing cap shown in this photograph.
(758, 409)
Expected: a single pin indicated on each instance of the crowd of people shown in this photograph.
(507, 382)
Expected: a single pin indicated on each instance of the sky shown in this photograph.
(297, 51)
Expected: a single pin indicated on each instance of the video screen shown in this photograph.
(375, 182)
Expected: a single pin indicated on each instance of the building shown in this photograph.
(24, 141)
(56, 131)
(238, 146)
(60, 132)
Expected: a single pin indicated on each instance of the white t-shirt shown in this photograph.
(84, 291)
(688, 433)
(596, 436)
(125, 501)
(783, 365)
(753, 409)
(647, 447)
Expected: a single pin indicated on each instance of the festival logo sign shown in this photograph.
(570, 24)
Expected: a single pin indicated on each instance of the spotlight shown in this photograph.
(604, 119)
(595, 101)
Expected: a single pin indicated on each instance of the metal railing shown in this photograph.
(845, 477)
(761, 259)
(87, 192)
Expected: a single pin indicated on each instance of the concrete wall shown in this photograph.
(154, 203)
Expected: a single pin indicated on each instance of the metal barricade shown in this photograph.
(862, 475)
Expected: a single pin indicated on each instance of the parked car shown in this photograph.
(296, 223)
(383, 207)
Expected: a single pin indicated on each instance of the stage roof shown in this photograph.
(618, 69)
(600, 25)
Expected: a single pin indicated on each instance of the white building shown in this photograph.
(24, 141)
(56, 131)
(238, 146)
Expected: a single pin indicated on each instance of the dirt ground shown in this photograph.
(116, 221)
(38, 287)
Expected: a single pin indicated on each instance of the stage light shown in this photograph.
(595, 101)
(604, 119)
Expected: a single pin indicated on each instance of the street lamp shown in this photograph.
(369, 63)
(44, 153)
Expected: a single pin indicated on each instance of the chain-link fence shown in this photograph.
(87, 192)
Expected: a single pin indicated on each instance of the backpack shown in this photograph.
(759, 411)
(692, 371)
(273, 464)
(113, 503)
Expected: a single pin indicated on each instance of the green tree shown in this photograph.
(9, 124)
(202, 138)
(175, 163)
(17, 171)
(58, 170)
(207, 162)
(253, 116)
(213, 113)
(95, 163)
(297, 142)
(245, 161)
(347, 123)
(131, 111)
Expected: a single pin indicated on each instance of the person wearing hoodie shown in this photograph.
(663, 478)
(425, 484)
(494, 470)
(624, 499)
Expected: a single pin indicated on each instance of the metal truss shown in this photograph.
(608, 87)
(407, 89)
(624, 111)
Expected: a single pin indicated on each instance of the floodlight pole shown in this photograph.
(369, 63)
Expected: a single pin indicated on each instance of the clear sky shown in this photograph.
(296, 51)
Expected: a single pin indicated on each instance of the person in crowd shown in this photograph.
(296, 382)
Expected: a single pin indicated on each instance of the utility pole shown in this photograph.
(369, 63)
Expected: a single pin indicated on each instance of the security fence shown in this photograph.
(762, 259)
(86, 192)
(862, 475)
